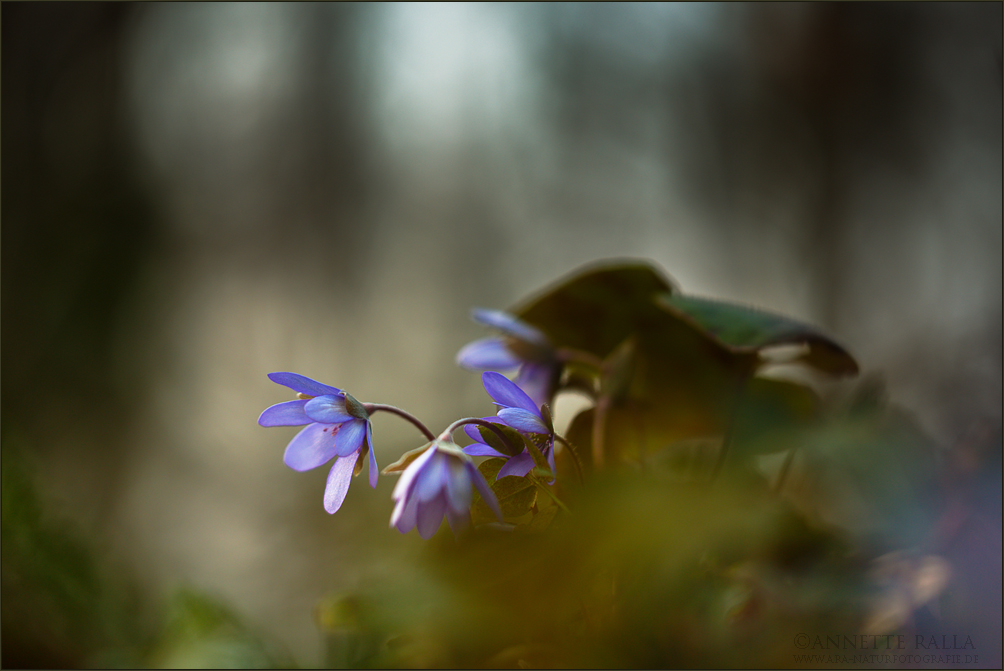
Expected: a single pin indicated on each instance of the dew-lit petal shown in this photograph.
(505, 393)
(289, 413)
(486, 492)
(487, 354)
(339, 479)
(312, 447)
(430, 516)
(519, 465)
(329, 409)
(350, 437)
(509, 325)
(302, 384)
(523, 420)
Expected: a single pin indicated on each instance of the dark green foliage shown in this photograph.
(720, 513)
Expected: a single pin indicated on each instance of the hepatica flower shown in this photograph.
(337, 426)
(439, 482)
(517, 410)
(521, 346)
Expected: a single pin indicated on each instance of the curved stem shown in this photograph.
(599, 429)
(574, 455)
(377, 407)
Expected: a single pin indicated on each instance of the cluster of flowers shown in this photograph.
(438, 478)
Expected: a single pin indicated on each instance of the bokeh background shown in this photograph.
(195, 195)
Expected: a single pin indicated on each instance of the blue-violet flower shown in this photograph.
(337, 426)
(521, 346)
(519, 411)
(439, 482)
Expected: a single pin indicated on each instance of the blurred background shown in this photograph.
(195, 195)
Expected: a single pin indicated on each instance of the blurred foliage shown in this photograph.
(66, 606)
(723, 513)
(201, 632)
(60, 605)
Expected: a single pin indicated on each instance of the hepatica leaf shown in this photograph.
(515, 495)
(743, 328)
(679, 384)
(772, 415)
(597, 308)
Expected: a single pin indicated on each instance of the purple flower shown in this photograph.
(439, 482)
(337, 426)
(521, 346)
(520, 412)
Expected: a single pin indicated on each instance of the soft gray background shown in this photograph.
(198, 194)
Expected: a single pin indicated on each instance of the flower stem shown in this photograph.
(377, 407)
(575, 457)
(548, 491)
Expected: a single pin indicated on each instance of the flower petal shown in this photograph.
(350, 437)
(523, 420)
(505, 393)
(374, 471)
(288, 413)
(405, 515)
(482, 450)
(432, 480)
(430, 516)
(509, 325)
(458, 487)
(537, 380)
(339, 479)
(327, 409)
(402, 489)
(519, 465)
(486, 492)
(312, 447)
(302, 384)
(487, 354)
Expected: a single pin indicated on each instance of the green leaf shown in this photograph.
(674, 367)
(871, 470)
(743, 328)
(596, 308)
(771, 415)
(678, 384)
(515, 495)
(544, 512)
